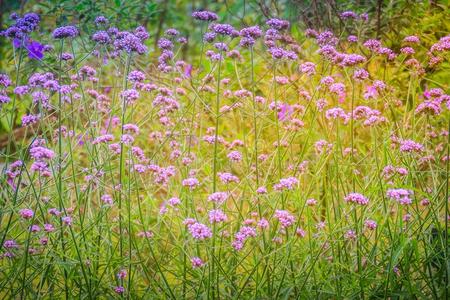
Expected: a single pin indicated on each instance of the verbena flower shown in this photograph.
(65, 32)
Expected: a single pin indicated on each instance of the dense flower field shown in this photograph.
(268, 167)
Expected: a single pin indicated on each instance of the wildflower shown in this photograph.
(348, 15)
(10, 244)
(277, 24)
(147, 234)
(311, 33)
(107, 199)
(197, 262)
(407, 217)
(101, 37)
(360, 74)
(370, 224)
(352, 39)
(4, 99)
(350, 235)
(308, 68)
(200, 231)
(122, 274)
(49, 227)
(349, 60)
(34, 48)
(103, 139)
(373, 45)
(311, 202)
(218, 197)
(323, 146)
(412, 39)
(204, 15)
(40, 153)
(127, 139)
(223, 29)
(209, 37)
(23, 26)
(130, 95)
(165, 44)
(356, 198)
(241, 236)
(26, 213)
(30, 119)
(261, 190)
(228, 177)
(320, 225)
(136, 76)
(100, 20)
(5, 81)
(67, 220)
(66, 56)
(217, 216)
(65, 32)
(131, 128)
(286, 184)
(129, 42)
(285, 110)
(280, 53)
(407, 50)
(285, 218)
(234, 156)
(263, 223)
(300, 232)
(402, 196)
(191, 182)
(410, 146)
(337, 113)
(172, 32)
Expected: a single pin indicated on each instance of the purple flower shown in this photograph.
(217, 216)
(279, 53)
(30, 119)
(284, 217)
(34, 48)
(278, 24)
(100, 20)
(129, 42)
(221, 46)
(251, 32)
(223, 29)
(209, 37)
(22, 26)
(136, 76)
(188, 71)
(402, 196)
(247, 42)
(204, 15)
(5, 80)
(21, 90)
(197, 262)
(349, 15)
(285, 111)
(172, 32)
(200, 231)
(101, 37)
(165, 44)
(26, 213)
(356, 198)
(65, 32)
